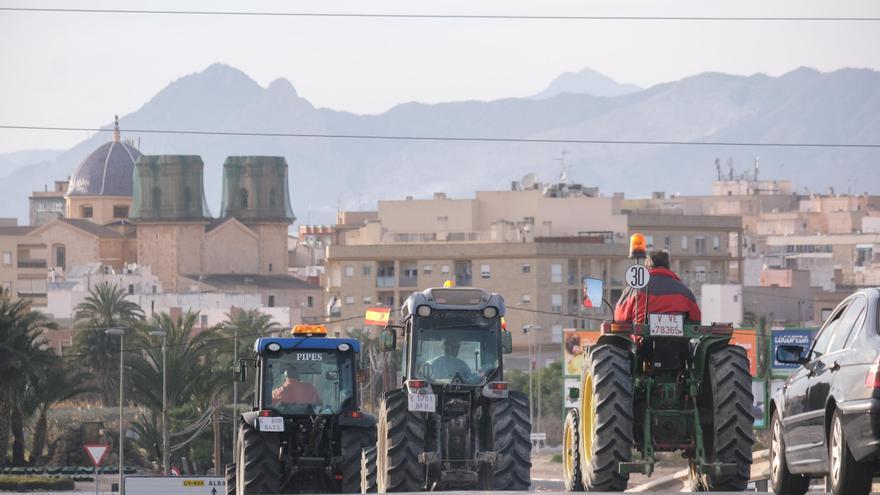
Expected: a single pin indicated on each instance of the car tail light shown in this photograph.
(355, 414)
(495, 390)
(872, 379)
(265, 413)
(617, 327)
(338, 476)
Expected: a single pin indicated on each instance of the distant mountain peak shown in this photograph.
(282, 86)
(586, 81)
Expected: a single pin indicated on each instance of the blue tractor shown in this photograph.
(305, 432)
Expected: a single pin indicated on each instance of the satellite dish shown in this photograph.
(529, 181)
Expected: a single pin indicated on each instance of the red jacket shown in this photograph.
(665, 294)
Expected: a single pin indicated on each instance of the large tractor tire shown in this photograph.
(353, 441)
(368, 470)
(401, 440)
(230, 479)
(782, 480)
(606, 419)
(571, 459)
(511, 431)
(731, 435)
(258, 468)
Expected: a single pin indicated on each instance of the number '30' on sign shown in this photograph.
(637, 276)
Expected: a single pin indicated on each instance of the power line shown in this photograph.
(481, 17)
(391, 137)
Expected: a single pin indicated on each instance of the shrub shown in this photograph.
(29, 483)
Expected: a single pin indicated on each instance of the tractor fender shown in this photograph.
(703, 349)
(622, 341)
(250, 417)
(364, 420)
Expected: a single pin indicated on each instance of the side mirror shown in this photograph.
(791, 354)
(574, 393)
(506, 342)
(242, 370)
(388, 338)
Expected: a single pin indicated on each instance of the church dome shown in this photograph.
(107, 171)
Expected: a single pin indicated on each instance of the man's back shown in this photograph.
(665, 294)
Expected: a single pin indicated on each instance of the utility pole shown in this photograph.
(166, 458)
(234, 390)
(121, 333)
(216, 417)
(532, 369)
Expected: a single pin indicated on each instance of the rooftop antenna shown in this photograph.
(729, 168)
(757, 166)
(718, 168)
(116, 128)
(563, 176)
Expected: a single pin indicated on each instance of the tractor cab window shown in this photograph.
(309, 382)
(455, 347)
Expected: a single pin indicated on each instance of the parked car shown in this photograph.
(826, 418)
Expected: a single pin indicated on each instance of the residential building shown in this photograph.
(49, 205)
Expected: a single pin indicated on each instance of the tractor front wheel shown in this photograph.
(353, 441)
(730, 437)
(606, 419)
(511, 432)
(258, 470)
(401, 440)
(571, 459)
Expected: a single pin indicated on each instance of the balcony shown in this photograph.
(31, 263)
(385, 282)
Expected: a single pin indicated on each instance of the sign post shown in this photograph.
(96, 453)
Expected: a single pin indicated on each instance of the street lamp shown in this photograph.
(121, 333)
(234, 390)
(532, 368)
(166, 459)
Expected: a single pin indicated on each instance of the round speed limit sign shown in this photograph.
(637, 276)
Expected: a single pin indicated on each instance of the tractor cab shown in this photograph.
(454, 336)
(306, 374)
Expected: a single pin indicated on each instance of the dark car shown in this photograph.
(826, 418)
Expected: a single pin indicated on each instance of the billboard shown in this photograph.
(789, 336)
(747, 339)
(573, 344)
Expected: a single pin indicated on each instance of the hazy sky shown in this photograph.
(74, 69)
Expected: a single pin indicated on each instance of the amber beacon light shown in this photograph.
(637, 246)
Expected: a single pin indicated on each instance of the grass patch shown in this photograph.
(556, 458)
(29, 483)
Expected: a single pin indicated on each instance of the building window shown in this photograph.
(60, 256)
(366, 270)
(649, 241)
(526, 298)
(426, 269)
(120, 211)
(349, 299)
(130, 289)
(310, 301)
(271, 301)
(667, 243)
(716, 242)
(444, 269)
(349, 271)
(243, 198)
(556, 273)
(485, 271)
(526, 268)
(556, 334)
(7, 258)
(700, 245)
(86, 211)
(270, 267)
(204, 319)
(684, 243)
(368, 300)
(556, 303)
(700, 274)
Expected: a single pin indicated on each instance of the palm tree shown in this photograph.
(61, 382)
(24, 361)
(104, 308)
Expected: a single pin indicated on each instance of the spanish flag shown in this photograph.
(377, 316)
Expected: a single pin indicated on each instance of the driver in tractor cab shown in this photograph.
(449, 365)
(295, 391)
(665, 294)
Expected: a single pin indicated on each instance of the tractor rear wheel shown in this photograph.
(730, 437)
(258, 470)
(511, 431)
(368, 470)
(353, 441)
(606, 419)
(230, 479)
(571, 459)
(401, 440)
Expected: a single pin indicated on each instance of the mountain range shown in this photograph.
(329, 173)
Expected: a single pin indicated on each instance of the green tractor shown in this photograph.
(453, 424)
(660, 386)
(306, 433)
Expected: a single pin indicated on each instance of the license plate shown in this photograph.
(272, 424)
(422, 402)
(667, 325)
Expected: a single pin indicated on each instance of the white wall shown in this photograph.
(721, 303)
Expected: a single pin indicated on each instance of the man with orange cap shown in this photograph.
(665, 294)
